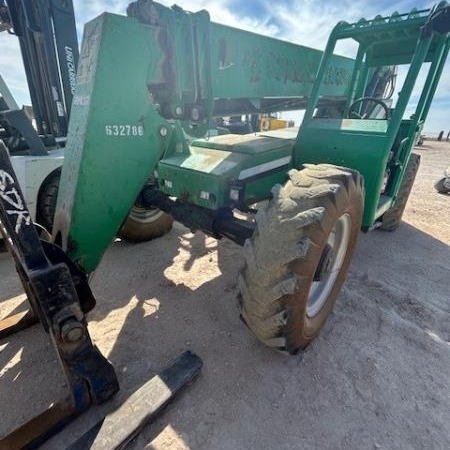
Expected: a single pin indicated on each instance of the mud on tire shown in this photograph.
(282, 257)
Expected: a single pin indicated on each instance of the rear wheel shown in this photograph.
(391, 219)
(144, 224)
(299, 255)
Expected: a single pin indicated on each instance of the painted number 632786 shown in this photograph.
(124, 130)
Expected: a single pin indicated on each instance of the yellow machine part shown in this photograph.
(270, 123)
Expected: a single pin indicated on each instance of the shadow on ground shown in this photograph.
(379, 363)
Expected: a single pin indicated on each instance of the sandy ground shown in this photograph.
(376, 377)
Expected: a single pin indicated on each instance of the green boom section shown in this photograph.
(219, 70)
(135, 79)
(247, 65)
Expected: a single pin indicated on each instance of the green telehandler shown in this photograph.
(295, 202)
(349, 167)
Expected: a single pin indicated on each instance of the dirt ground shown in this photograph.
(376, 377)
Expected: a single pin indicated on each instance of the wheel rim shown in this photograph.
(337, 241)
(145, 215)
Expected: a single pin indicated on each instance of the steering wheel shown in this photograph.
(352, 114)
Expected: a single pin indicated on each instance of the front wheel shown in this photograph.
(299, 255)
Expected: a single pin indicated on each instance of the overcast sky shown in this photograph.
(306, 22)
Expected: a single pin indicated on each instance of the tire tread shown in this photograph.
(277, 257)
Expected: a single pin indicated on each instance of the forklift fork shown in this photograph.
(60, 296)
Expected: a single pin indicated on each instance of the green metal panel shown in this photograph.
(222, 69)
(114, 141)
(248, 65)
(206, 174)
(250, 144)
(201, 177)
(346, 143)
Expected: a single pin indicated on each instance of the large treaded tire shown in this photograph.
(46, 205)
(144, 224)
(392, 218)
(282, 256)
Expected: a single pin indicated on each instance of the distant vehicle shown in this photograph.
(443, 185)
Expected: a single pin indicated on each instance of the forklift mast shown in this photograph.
(48, 42)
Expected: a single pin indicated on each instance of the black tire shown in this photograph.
(391, 219)
(283, 255)
(3, 247)
(440, 186)
(144, 224)
(46, 205)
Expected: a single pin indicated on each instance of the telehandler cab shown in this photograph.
(144, 82)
